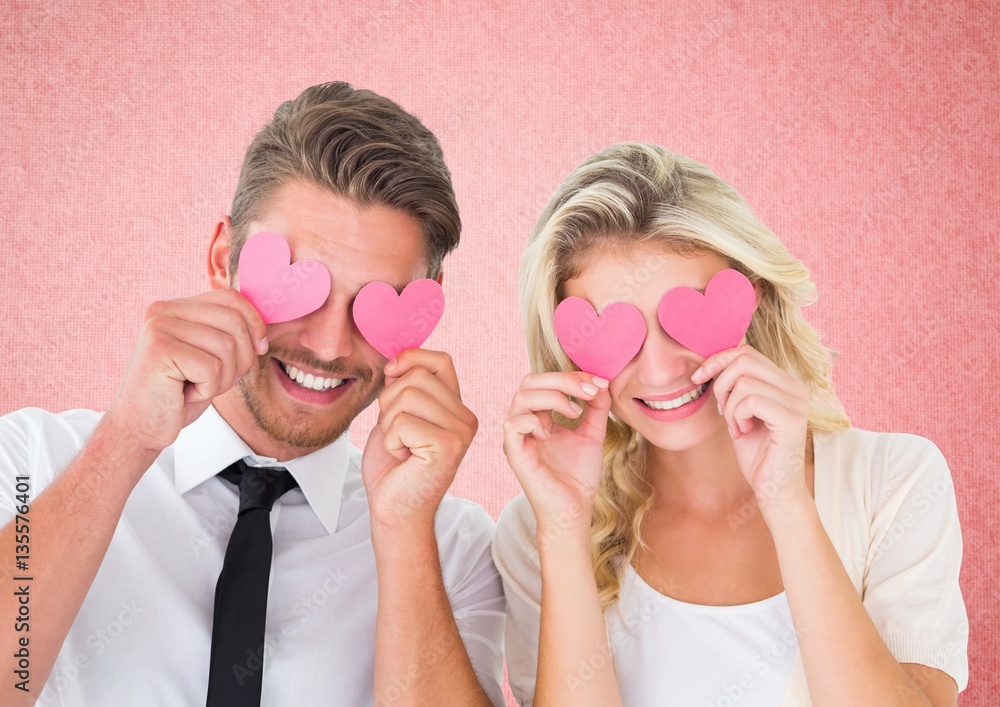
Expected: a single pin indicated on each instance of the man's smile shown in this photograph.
(309, 380)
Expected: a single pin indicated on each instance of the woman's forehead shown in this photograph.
(642, 272)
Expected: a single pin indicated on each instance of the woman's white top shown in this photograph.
(887, 503)
(660, 647)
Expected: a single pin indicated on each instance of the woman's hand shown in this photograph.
(766, 411)
(558, 468)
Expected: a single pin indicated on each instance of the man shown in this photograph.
(381, 588)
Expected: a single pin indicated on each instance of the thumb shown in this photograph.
(374, 453)
(595, 414)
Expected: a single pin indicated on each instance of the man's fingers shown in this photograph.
(223, 319)
(411, 435)
(198, 370)
(438, 363)
(418, 378)
(235, 357)
(225, 309)
(418, 402)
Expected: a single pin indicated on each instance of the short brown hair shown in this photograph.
(359, 145)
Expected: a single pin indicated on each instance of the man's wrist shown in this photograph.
(112, 442)
(405, 532)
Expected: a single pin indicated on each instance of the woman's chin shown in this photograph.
(684, 437)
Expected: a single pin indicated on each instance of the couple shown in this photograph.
(695, 530)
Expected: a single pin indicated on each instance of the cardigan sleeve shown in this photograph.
(516, 556)
(465, 534)
(910, 587)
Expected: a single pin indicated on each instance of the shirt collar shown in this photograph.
(208, 445)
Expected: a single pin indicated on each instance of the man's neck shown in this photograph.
(233, 410)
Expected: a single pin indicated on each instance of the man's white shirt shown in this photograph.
(143, 633)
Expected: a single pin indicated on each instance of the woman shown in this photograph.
(710, 530)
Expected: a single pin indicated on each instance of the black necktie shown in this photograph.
(237, 664)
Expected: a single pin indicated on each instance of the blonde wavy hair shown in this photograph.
(632, 194)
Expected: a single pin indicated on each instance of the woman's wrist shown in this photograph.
(786, 516)
(564, 532)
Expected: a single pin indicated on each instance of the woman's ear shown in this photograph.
(218, 254)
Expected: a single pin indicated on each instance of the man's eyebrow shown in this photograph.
(398, 288)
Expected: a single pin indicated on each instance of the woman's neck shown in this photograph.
(705, 479)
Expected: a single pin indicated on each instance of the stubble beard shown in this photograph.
(301, 429)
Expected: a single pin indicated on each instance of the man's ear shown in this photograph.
(440, 277)
(218, 254)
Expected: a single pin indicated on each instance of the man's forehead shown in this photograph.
(358, 243)
(354, 267)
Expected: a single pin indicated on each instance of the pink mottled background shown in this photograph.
(864, 134)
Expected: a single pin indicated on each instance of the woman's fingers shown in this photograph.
(544, 400)
(776, 406)
(574, 383)
(595, 417)
(745, 363)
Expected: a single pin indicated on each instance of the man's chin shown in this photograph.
(301, 431)
(305, 439)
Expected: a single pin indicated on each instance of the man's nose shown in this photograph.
(329, 332)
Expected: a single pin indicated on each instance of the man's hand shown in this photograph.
(410, 460)
(422, 434)
(189, 351)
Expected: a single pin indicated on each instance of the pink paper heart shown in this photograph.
(599, 344)
(391, 322)
(712, 322)
(278, 288)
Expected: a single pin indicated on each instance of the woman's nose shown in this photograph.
(662, 362)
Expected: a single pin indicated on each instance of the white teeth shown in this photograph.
(308, 380)
(678, 401)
